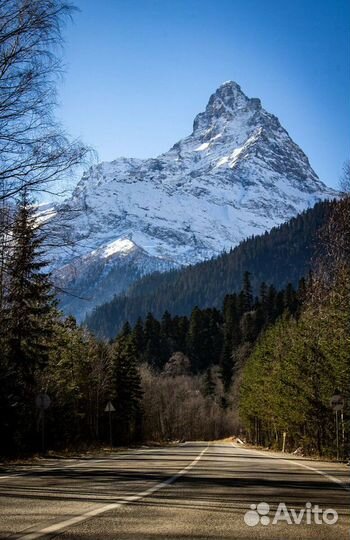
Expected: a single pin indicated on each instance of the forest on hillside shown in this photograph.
(278, 257)
(259, 366)
(256, 359)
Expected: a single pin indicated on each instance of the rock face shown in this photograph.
(237, 174)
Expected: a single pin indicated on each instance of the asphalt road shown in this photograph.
(191, 491)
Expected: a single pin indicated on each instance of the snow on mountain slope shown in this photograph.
(237, 174)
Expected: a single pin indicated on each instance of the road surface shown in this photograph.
(191, 491)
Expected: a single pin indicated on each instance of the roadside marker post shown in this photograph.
(284, 442)
(337, 402)
(110, 408)
(42, 402)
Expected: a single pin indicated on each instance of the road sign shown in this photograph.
(337, 402)
(109, 407)
(42, 401)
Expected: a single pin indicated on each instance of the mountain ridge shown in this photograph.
(236, 175)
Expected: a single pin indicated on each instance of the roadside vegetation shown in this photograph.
(260, 365)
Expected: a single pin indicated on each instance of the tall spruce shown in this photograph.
(29, 316)
(127, 391)
(138, 337)
(226, 364)
(29, 299)
(209, 384)
(152, 342)
(247, 292)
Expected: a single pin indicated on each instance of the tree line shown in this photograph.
(265, 362)
(210, 337)
(181, 363)
(35, 154)
(299, 363)
(277, 257)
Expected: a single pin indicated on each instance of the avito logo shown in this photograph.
(260, 514)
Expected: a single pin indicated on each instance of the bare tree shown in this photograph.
(34, 150)
(175, 406)
(331, 275)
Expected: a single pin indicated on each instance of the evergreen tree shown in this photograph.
(138, 337)
(67, 379)
(247, 292)
(236, 334)
(209, 384)
(166, 337)
(271, 304)
(279, 305)
(29, 316)
(166, 325)
(290, 299)
(152, 342)
(180, 331)
(263, 293)
(29, 302)
(232, 313)
(215, 331)
(249, 330)
(127, 391)
(263, 301)
(126, 330)
(226, 365)
(202, 347)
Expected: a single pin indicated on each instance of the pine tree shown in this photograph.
(271, 304)
(263, 301)
(248, 328)
(232, 314)
(127, 391)
(166, 325)
(166, 337)
(197, 341)
(290, 299)
(29, 316)
(30, 303)
(138, 337)
(152, 342)
(209, 384)
(263, 293)
(226, 364)
(126, 330)
(247, 292)
(180, 331)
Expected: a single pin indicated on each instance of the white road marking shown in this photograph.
(12, 476)
(296, 462)
(113, 506)
(328, 476)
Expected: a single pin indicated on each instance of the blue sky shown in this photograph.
(138, 71)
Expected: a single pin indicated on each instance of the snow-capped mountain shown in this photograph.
(237, 174)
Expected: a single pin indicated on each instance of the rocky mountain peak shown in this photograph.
(224, 105)
(230, 93)
(236, 175)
